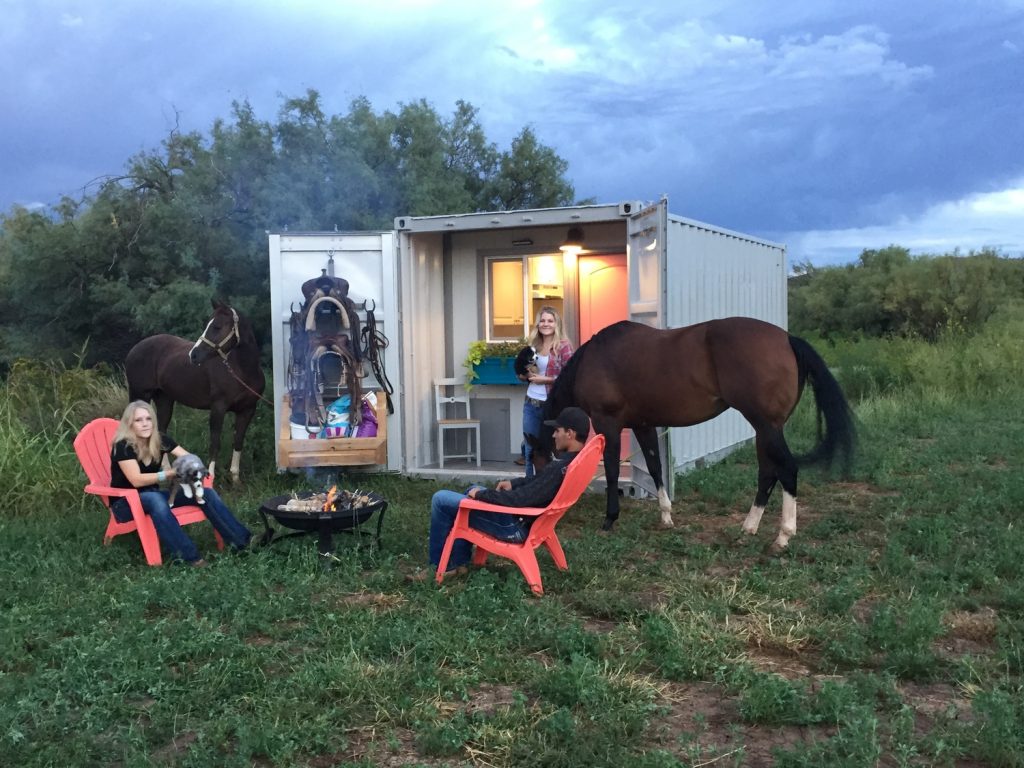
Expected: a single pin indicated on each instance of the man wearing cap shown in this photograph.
(571, 429)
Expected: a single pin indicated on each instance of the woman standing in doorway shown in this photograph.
(553, 352)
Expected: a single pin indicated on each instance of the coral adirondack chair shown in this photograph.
(92, 446)
(577, 478)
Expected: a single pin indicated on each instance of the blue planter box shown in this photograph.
(495, 370)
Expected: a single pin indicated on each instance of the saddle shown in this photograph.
(325, 357)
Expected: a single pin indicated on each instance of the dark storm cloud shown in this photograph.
(780, 120)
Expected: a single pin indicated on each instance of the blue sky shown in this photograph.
(828, 126)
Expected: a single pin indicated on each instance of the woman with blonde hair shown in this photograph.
(136, 462)
(553, 352)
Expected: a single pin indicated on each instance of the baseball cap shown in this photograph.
(572, 418)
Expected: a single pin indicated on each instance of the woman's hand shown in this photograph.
(503, 485)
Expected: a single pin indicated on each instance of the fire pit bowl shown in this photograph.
(348, 517)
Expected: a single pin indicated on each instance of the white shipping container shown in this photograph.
(429, 280)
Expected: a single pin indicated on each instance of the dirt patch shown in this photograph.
(179, 746)
(779, 661)
(721, 530)
(935, 701)
(980, 625)
(700, 724)
(863, 610)
(865, 489)
(384, 749)
(969, 633)
(378, 601)
(600, 626)
(489, 698)
(259, 640)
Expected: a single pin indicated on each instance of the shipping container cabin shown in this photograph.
(437, 283)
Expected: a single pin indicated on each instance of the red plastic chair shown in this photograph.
(92, 446)
(577, 478)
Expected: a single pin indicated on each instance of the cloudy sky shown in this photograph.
(831, 126)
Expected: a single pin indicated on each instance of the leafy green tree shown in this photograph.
(530, 175)
(187, 220)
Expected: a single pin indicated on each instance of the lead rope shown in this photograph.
(236, 377)
(374, 343)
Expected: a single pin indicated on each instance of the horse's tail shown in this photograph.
(839, 435)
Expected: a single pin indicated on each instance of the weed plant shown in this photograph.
(890, 633)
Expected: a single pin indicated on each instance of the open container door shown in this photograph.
(646, 255)
(367, 261)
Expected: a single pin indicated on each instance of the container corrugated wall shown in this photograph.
(713, 273)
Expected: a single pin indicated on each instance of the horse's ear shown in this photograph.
(215, 303)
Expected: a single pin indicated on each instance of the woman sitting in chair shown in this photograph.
(570, 432)
(135, 462)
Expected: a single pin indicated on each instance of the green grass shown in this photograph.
(891, 632)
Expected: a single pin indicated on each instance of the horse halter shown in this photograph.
(220, 345)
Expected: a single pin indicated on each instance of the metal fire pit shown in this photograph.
(325, 524)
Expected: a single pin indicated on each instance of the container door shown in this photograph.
(367, 261)
(646, 251)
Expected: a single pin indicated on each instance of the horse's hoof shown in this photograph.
(775, 549)
(607, 526)
(663, 526)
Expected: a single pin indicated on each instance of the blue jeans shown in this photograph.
(533, 416)
(443, 508)
(169, 531)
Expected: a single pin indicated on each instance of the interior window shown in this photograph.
(513, 302)
(505, 278)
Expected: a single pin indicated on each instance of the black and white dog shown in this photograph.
(525, 362)
(189, 473)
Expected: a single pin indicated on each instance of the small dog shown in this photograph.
(525, 362)
(189, 473)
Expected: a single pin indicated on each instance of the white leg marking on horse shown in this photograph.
(236, 459)
(665, 505)
(753, 519)
(213, 469)
(788, 529)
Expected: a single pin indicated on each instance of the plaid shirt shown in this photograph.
(557, 360)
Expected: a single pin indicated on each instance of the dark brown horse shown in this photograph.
(631, 375)
(220, 372)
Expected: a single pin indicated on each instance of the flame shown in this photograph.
(331, 496)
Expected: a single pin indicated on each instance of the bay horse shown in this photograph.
(219, 372)
(633, 376)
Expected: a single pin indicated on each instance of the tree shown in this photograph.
(530, 175)
(188, 220)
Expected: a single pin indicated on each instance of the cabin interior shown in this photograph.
(490, 283)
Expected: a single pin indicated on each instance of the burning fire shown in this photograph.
(331, 496)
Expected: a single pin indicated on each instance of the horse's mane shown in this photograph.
(561, 394)
(562, 391)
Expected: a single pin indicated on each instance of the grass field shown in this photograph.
(890, 634)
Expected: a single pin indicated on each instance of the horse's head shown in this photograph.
(220, 336)
(542, 447)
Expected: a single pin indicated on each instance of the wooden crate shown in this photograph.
(337, 451)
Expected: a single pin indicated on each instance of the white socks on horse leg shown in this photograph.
(753, 520)
(665, 506)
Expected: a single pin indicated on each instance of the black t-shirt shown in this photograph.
(123, 451)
